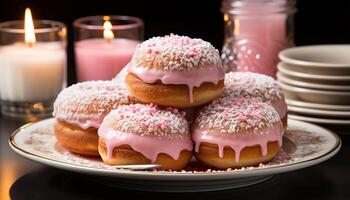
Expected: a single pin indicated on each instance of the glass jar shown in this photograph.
(33, 72)
(255, 32)
(105, 44)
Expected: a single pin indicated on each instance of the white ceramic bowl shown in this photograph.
(315, 96)
(318, 59)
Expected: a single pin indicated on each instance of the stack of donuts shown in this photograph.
(174, 102)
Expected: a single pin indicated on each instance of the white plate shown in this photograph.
(317, 81)
(319, 113)
(318, 59)
(319, 120)
(315, 96)
(303, 84)
(315, 78)
(327, 71)
(304, 145)
(317, 106)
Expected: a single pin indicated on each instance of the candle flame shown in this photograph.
(226, 17)
(236, 25)
(29, 28)
(107, 29)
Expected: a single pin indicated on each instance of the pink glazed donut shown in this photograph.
(257, 86)
(236, 134)
(175, 71)
(142, 134)
(79, 111)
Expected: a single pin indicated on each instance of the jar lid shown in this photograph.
(257, 6)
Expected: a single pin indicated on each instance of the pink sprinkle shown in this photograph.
(183, 113)
(192, 50)
(173, 110)
(225, 114)
(248, 112)
(242, 117)
(236, 107)
(164, 124)
(153, 111)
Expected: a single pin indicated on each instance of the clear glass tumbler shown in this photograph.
(255, 32)
(33, 71)
(104, 45)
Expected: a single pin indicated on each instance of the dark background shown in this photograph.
(316, 22)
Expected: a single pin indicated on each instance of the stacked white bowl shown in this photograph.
(316, 83)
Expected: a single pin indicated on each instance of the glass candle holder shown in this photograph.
(104, 45)
(255, 32)
(33, 72)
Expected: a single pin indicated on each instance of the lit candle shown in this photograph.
(32, 71)
(103, 58)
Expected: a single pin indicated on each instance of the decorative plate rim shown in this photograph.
(308, 85)
(319, 119)
(200, 175)
(312, 64)
(319, 112)
(311, 76)
(326, 107)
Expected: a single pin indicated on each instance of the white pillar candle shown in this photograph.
(31, 73)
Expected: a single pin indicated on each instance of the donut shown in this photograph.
(245, 133)
(175, 71)
(258, 86)
(79, 111)
(143, 134)
(120, 78)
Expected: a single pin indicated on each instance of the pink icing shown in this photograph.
(281, 107)
(149, 146)
(84, 124)
(238, 141)
(191, 78)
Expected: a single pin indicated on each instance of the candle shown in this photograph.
(32, 72)
(98, 59)
(103, 58)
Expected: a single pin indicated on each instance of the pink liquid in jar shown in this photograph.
(259, 33)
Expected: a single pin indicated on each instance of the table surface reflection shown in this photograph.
(24, 179)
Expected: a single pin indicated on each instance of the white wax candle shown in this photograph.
(29, 74)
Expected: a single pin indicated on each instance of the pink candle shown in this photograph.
(101, 59)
